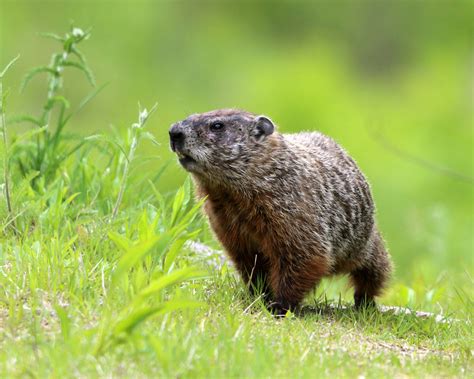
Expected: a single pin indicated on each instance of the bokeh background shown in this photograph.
(392, 81)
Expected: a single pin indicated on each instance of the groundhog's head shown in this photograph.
(220, 143)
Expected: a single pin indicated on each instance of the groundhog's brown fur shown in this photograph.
(289, 209)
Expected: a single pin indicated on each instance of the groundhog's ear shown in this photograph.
(263, 127)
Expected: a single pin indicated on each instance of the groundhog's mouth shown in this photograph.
(185, 159)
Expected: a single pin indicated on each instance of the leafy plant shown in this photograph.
(46, 155)
(138, 282)
(149, 260)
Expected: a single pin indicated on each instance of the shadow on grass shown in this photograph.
(401, 322)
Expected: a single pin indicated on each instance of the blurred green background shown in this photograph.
(354, 70)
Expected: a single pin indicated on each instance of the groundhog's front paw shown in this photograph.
(278, 308)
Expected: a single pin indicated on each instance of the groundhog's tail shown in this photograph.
(371, 278)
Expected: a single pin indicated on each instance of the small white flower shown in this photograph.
(77, 32)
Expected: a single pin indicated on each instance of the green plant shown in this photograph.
(139, 282)
(47, 154)
(144, 272)
(136, 133)
(6, 155)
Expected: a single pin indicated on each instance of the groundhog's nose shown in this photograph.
(176, 137)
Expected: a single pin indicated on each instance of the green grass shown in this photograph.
(96, 280)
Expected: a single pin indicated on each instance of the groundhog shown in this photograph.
(289, 209)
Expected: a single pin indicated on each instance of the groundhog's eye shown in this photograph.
(217, 126)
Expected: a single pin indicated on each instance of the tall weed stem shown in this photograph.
(6, 160)
(136, 131)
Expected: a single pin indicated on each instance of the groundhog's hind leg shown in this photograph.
(371, 278)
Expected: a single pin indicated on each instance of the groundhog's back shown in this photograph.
(340, 195)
